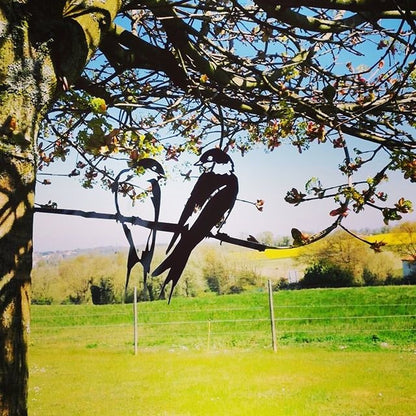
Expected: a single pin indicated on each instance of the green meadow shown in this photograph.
(339, 352)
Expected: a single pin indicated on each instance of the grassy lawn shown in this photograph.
(358, 318)
(292, 381)
(340, 352)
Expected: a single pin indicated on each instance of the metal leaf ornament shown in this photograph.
(213, 196)
(147, 254)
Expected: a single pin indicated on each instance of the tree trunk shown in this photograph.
(25, 92)
(16, 217)
(44, 45)
(20, 106)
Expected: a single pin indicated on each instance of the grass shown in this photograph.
(359, 318)
(291, 382)
(82, 362)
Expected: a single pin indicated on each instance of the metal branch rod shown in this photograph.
(160, 226)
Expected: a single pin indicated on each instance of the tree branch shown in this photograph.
(140, 54)
(350, 5)
(170, 227)
(310, 23)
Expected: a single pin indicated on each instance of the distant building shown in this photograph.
(409, 266)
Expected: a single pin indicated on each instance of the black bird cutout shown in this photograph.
(214, 194)
(147, 253)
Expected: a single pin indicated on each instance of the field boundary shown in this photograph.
(218, 329)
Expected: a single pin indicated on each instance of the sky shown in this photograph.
(261, 175)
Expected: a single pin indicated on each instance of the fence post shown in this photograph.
(135, 319)
(272, 322)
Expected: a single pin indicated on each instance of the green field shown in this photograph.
(391, 239)
(340, 352)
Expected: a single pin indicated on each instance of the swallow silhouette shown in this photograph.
(187, 175)
(147, 254)
(214, 194)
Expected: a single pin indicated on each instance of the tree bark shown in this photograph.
(20, 103)
(17, 176)
(44, 47)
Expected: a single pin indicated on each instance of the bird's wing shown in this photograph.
(147, 253)
(204, 188)
(132, 258)
(219, 205)
(221, 202)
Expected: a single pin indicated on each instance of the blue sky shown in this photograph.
(266, 176)
(261, 176)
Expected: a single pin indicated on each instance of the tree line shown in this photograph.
(337, 261)
(100, 278)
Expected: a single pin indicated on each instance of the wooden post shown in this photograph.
(135, 319)
(272, 322)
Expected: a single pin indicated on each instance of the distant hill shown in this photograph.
(390, 238)
(56, 256)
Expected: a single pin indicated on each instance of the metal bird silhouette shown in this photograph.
(214, 194)
(147, 254)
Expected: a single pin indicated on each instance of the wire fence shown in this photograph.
(376, 325)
